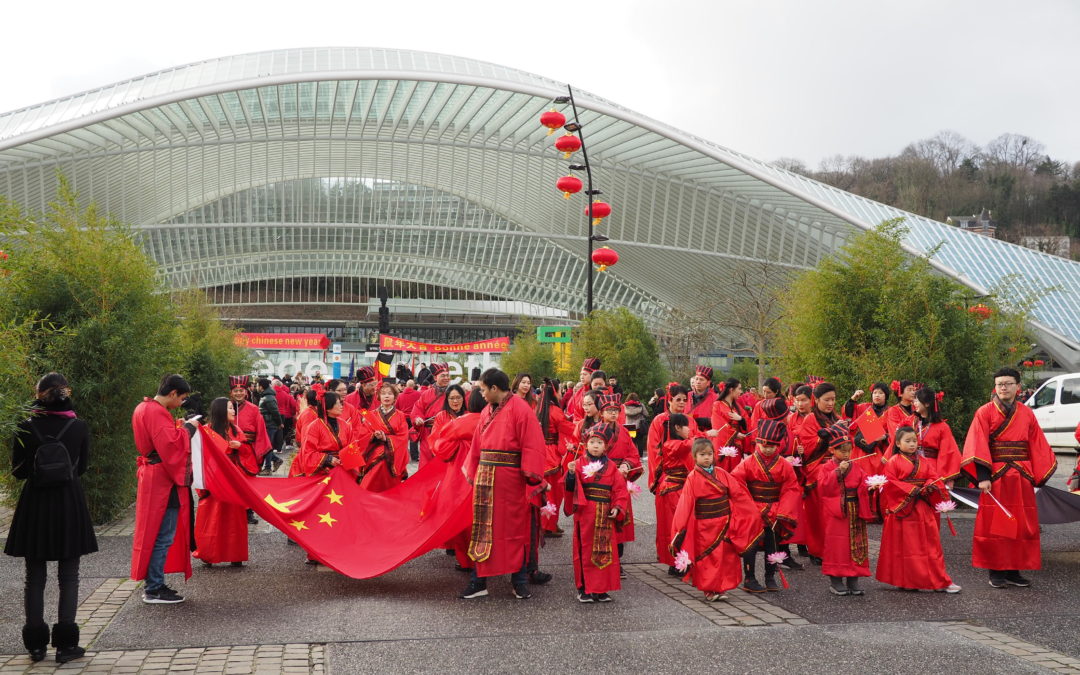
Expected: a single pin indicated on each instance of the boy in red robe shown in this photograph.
(702, 396)
(428, 406)
(599, 507)
(506, 456)
(163, 499)
(715, 524)
(1007, 453)
(776, 493)
(845, 508)
(911, 557)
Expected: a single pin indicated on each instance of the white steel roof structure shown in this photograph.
(432, 170)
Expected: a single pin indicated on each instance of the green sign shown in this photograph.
(553, 333)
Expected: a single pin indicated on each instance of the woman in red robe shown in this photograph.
(715, 523)
(221, 529)
(936, 441)
(450, 439)
(875, 448)
(598, 506)
(324, 438)
(667, 473)
(386, 459)
(813, 449)
(771, 389)
(911, 557)
(845, 508)
(308, 413)
(558, 434)
(522, 386)
(729, 425)
(896, 416)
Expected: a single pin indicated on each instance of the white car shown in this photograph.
(1057, 408)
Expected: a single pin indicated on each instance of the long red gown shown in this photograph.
(559, 432)
(845, 508)
(451, 438)
(775, 489)
(164, 464)
(1014, 451)
(623, 450)
(427, 407)
(715, 523)
(911, 555)
(506, 455)
(728, 429)
(385, 462)
(936, 443)
(673, 464)
(811, 530)
(595, 540)
(221, 528)
(256, 443)
(320, 441)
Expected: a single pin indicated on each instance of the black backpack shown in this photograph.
(52, 463)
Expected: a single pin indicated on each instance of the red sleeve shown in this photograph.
(684, 511)
(156, 430)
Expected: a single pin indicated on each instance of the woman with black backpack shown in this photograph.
(51, 521)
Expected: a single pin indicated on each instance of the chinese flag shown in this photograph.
(871, 426)
(359, 533)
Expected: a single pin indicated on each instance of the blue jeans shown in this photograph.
(155, 572)
(519, 578)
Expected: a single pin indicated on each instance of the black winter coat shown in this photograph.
(51, 523)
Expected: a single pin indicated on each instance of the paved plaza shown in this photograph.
(277, 614)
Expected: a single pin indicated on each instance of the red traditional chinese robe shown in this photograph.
(728, 429)
(936, 443)
(595, 541)
(426, 408)
(668, 475)
(911, 555)
(872, 448)
(623, 451)
(845, 508)
(164, 465)
(560, 431)
(775, 489)
(255, 443)
(320, 442)
(507, 454)
(715, 523)
(815, 451)
(221, 528)
(1013, 451)
(357, 399)
(451, 438)
(895, 417)
(700, 408)
(385, 462)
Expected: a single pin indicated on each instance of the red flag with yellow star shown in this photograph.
(359, 533)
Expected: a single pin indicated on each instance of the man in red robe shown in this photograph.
(506, 456)
(363, 396)
(163, 500)
(428, 406)
(702, 396)
(573, 407)
(1007, 453)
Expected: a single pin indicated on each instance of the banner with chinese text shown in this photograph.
(295, 341)
(395, 344)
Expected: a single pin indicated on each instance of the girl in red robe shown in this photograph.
(812, 447)
(875, 448)
(715, 523)
(772, 389)
(911, 556)
(387, 456)
(729, 424)
(221, 529)
(599, 507)
(558, 434)
(845, 508)
(625, 455)
(669, 465)
(324, 438)
(936, 442)
(896, 416)
(450, 439)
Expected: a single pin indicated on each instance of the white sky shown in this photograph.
(771, 78)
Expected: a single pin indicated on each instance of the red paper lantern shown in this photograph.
(981, 311)
(1028, 364)
(569, 185)
(1039, 363)
(568, 145)
(599, 210)
(552, 119)
(604, 258)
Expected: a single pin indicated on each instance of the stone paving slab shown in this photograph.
(236, 660)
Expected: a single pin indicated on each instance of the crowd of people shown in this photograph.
(735, 476)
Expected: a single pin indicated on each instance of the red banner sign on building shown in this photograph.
(297, 341)
(390, 343)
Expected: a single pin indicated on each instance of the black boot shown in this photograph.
(65, 637)
(750, 583)
(770, 577)
(36, 640)
(853, 586)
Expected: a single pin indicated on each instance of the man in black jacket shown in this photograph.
(268, 408)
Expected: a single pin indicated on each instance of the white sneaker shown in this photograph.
(952, 588)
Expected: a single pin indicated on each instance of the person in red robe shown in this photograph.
(408, 397)
(802, 400)
(911, 557)
(936, 441)
(845, 508)
(558, 437)
(771, 389)
(812, 447)
(324, 438)
(1007, 453)
(855, 412)
(715, 524)
(506, 456)
(428, 406)
(669, 465)
(624, 454)
(523, 386)
(599, 507)
(729, 425)
(304, 418)
(451, 439)
(363, 397)
(221, 528)
(162, 536)
(349, 412)
(256, 442)
(776, 493)
(573, 406)
(896, 416)
(702, 396)
(386, 459)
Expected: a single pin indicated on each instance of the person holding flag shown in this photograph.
(1007, 453)
(428, 406)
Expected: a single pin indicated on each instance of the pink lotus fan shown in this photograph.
(776, 559)
(632, 487)
(682, 560)
(876, 481)
(794, 460)
(591, 469)
(729, 451)
(549, 509)
(945, 506)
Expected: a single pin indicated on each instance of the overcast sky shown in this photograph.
(772, 78)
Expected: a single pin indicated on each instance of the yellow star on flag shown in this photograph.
(334, 497)
(299, 525)
(325, 481)
(325, 518)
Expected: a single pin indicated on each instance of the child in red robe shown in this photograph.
(911, 556)
(776, 493)
(221, 528)
(845, 508)
(624, 453)
(668, 474)
(716, 523)
(558, 432)
(599, 507)
(936, 442)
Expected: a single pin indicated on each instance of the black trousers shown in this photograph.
(67, 572)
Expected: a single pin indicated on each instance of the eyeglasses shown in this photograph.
(1006, 385)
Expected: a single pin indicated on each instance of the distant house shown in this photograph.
(982, 223)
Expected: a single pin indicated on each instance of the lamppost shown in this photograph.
(596, 210)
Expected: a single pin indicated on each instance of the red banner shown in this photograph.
(395, 344)
(316, 341)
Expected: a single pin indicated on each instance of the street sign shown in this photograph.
(553, 333)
